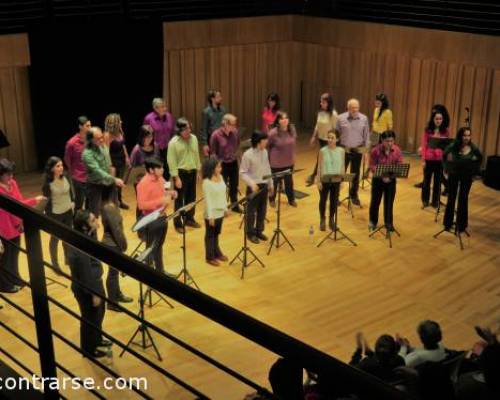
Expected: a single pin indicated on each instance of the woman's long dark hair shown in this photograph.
(51, 163)
(279, 117)
(458, 142)
(385, 103)
(144, 132)
(329, 99)
(439, 109)
(274, 97)
(208, 167)
(444, 125)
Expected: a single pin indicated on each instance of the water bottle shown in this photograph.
(311, 234)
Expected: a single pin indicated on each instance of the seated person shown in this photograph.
(380, 363)
(430, 336)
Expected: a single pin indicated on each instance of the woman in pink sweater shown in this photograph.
(11, 228)
(432, 158)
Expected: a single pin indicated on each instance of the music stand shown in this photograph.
(278, 231)
(361, 150)
(392, 171)
(242, 255)
(155, 216)
(186, 276)
(439, 143)
(142, 328)
(335, 229)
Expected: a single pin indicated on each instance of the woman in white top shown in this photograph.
(214, 192)
(57, 188)
(326, 121)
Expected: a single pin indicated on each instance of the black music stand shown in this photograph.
(334, 230)
(155, 216)
(142, 329)
(393, 171)
(186, 276)
(243, 253)
(278, 231)
(439, 143)
(362, 150)
(454, 231)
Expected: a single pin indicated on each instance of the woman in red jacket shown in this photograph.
(432, 158)
(11, 228)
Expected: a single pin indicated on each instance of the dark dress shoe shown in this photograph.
(112, 307)
(435, 205)
(124, 206)
(237, 209)
(179, 229)
(355, 201)
(310, 180)
(222, 257)
(105, 343)
(99, 353)
(293, 203)
(322, 225)
(419, 185)
(253, 239)
(124, 299)
(193, 224)
(12, 289)
(425, 204)
(213, 262)
(261, 236)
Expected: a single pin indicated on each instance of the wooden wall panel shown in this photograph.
(415, 67)
(15, 105)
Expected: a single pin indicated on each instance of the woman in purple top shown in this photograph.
(281, 147)
(115, 139)
(144, 148)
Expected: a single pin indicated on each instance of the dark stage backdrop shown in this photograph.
(92, 69)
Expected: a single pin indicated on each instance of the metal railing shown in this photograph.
(240, 323)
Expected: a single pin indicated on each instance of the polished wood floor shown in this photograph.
(322, 296)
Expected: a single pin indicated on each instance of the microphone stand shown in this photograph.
(146, 340)
(335, 229)
(243, 253)
(278, 231)
(184, 274)
(139, 225)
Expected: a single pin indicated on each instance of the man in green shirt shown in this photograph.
(184, 162)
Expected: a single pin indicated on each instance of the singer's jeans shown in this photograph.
(256, 211)
(186, 195)
(388, 191)
(458, 185)
(288, 179)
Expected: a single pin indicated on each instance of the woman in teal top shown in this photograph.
(462, 160)
(330, 162)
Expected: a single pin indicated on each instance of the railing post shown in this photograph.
(41, 307)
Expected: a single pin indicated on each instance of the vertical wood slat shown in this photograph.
(412, 79)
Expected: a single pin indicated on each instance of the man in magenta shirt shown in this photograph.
(163, 124)
(73, 160)
(385, 153)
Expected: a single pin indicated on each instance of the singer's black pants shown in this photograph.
(212, 249)
(230, 173)
(288, 179)
(256, 211)
(156, 232)
(458, 185)
(388, 192)
(355, 160)
(328, 189)
(90, 337)
(186, 194)
(432, 169)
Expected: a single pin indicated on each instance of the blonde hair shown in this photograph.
(229, 118)
(112, 124)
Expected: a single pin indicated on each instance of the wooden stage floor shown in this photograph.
(322, 296)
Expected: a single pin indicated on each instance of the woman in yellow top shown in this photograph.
(382, 121)
(382, 117)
